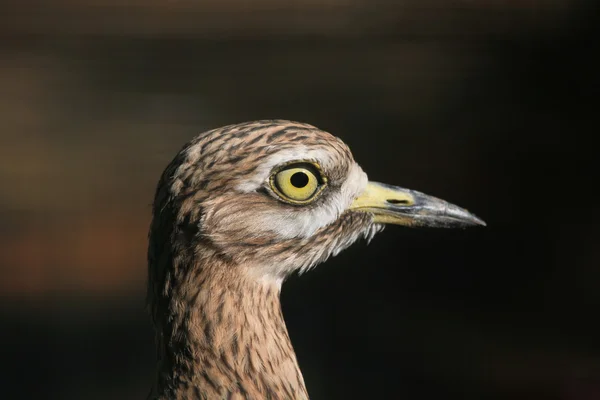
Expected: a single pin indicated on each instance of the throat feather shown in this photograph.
(226, 338)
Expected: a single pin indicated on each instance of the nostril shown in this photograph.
(395, 201)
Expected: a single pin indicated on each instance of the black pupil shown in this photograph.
(299, 179)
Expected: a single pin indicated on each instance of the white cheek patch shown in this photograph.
(302, 223)
(354, 185)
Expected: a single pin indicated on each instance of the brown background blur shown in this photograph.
(490, 104)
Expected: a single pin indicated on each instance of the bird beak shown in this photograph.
(399, 206)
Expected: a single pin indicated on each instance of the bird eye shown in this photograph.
(298, 183)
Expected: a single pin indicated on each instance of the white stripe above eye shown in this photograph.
(299, 153)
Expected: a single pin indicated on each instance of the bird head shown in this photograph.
(277, 197)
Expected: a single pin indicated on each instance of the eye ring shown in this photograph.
(298, 182)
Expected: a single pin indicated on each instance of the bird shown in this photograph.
(237, 211)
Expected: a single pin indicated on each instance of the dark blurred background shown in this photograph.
(491, 105)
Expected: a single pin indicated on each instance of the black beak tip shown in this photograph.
(478, 221)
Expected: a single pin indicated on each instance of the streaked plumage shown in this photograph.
(224, 236)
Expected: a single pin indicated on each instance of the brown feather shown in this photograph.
(219, 327)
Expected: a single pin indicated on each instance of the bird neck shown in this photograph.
(225, 337)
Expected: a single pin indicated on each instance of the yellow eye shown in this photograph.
(298, 183)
